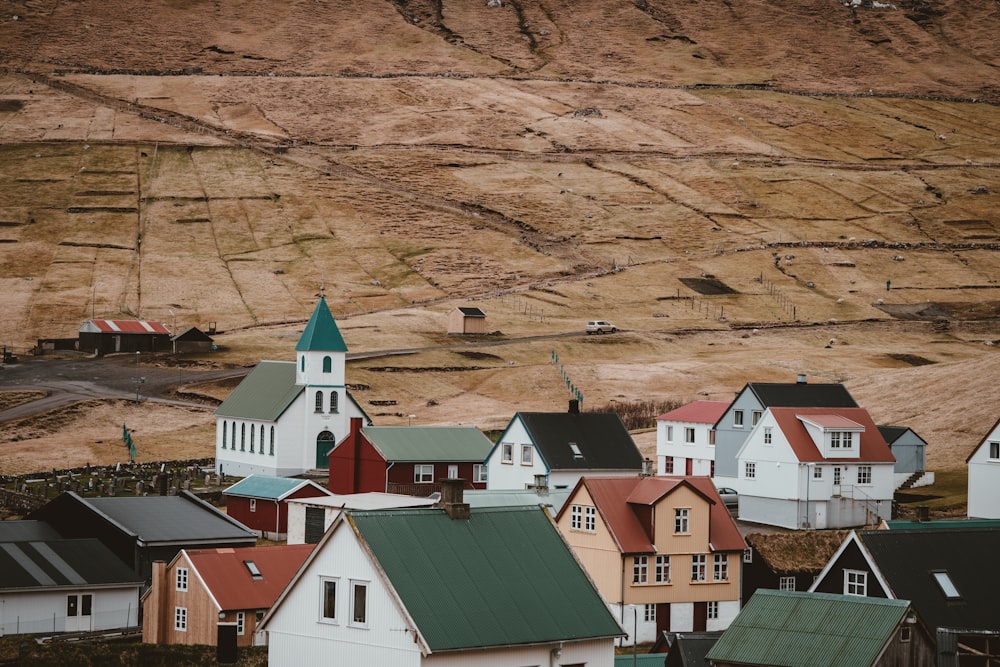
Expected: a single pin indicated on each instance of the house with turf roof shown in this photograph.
(407, 459)
(798, 629)
(448, 587)
(285, 417)
(260, 502)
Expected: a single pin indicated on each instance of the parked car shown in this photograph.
(729, 496)
(600, 327)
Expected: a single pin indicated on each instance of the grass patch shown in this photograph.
(948, 494)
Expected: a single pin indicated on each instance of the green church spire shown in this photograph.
(321, 333)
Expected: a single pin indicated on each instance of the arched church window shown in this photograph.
(252, 432)
(319, 401)
(327, 364)
(243, 437)
(333, 401)
(272, 442)
(261, 438)
(302, 363)
(225, 433)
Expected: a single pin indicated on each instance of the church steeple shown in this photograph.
(321, 333)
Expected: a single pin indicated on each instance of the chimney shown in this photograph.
(923, 513)
(161, 483)
(801, 379)
(574, 406)
(541, 485)
(647, 468)
(452, 496)
(156, 606)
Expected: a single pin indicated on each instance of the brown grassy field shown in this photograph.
(550, 162)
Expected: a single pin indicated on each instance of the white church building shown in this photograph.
(285, 416)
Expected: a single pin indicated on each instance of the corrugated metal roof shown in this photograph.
(698, 412)
(124, 326)
(872, 448)
(641, 660)
(796, 629)
(233, 586)
(830, 421)
(321, 333)
(271, 488)
(471, 312)
(503, 577)
(555, 498)
(429, 443)
(170, 519)
(601, 438)
(801, 395)
(613, 497)
(60, 563)
(264, 393)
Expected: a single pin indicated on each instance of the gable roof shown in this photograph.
(790, 628)
(614, 498)
(192, 334)
(986, 438)
(183, 518)
(321, 333)
(503, 577)
(801, 395)
(906, 559)
(61, 563)
(797, 551)
(698, 412)
(230, 582)
(872, 447)
(690, 648)
(471, 312)
(601, 437)
(270, 488)
(124, 326)
(429, 443)
(265, 393)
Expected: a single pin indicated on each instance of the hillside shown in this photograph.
(736, 185)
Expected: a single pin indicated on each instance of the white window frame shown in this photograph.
(856, 582)
(689, 435)
(423, 473)
(507, 453)
(323, 618)
(181, 579)
(253, 502)
(670, 434)
(835, 439)
(699, 567)
(640, 570)
(786, 583)
(479, 475)
(755, 416)
(864, 475)
(712, 610)
(661, 569)
(682, 521)
(737, 419)
(590, 519)
(767, 435)
(668, 465)
(180, 619)
(994, 450)
(750, 469)
(748, 555)
(576, 517)
(355, 585)
(649, 613)
(241, 623)
(817, 472)
(452, 471)
(527, 455)
(720, 567)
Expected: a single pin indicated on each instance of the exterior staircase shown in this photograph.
(911, 480)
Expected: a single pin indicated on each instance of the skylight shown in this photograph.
(576, 450)
(254, 570)
(946, 584)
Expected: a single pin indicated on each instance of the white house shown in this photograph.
(815, 468)
(557, 448)
(685, 439)
(984, 477)
(448, 587)
(285, 416)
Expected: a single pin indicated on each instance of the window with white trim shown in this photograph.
(181, 579)
(649, 613)
(767, 435)
(748, 555)
(661, 572)
(699, 567)
(670, 434)
(253, 502)
(506, 452)
(855, 582)
(668, 465)
(737, 419)
(994, 451)
(750, 469)
(786, 584)
(712, 610)
(755, 417)
(590, 519)
(319, 401)
(479, 473)
(817, 472)
(689, 435)
(576, 517)
(423, 473)
(241, 623)
(180, 619)
(720, 567)
(359, 603)
(864, 474)
(328, 599)
(682, 519)
(527, 455)
(640, 569)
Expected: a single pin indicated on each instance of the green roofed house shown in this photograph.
(285, 417)
(796, 629)
(448, 586)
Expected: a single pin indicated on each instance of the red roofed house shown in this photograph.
(107, 336)
(685, 439)
(203, 588)
(815, 468)
(663, 551)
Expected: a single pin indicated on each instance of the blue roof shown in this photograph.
(270, 488)
(321, 333)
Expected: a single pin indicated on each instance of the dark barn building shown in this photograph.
(108, 336)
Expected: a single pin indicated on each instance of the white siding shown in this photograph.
(700, 452)
(984, 480)
(45, 611)
(513, 475)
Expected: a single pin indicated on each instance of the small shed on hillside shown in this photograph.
(107, 336)
(191, 339)
(467, 320)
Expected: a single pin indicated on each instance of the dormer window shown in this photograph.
(841, 439)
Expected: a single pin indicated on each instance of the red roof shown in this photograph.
(615, 498)
(130, 326)
(872, 449)
(227, 577)
(699, 412)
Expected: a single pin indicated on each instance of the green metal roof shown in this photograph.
(502, 577)
(265, 486)
(429, 443)
(795, 629)
(641, 660)
(264, 394)
(961, 524)
(321, 333)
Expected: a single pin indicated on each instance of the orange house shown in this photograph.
(201, 589)
(663, 551)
